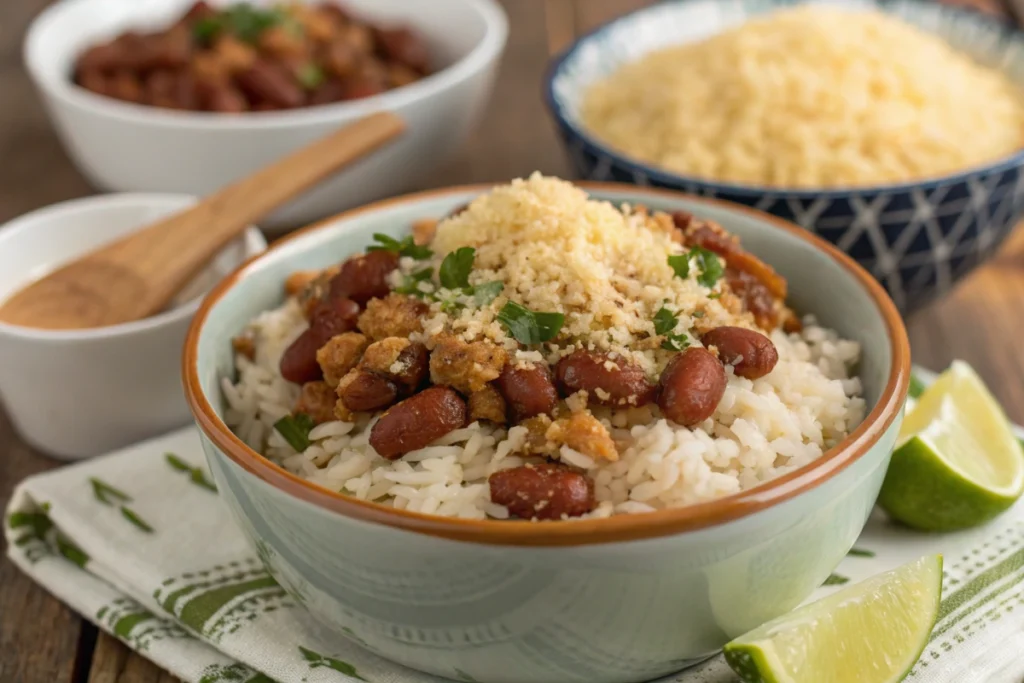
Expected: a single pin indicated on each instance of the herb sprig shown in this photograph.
(404, 247)
(454, 275)
(295, 429)
(243, 21)
(530, 327)
(665, 322)
(708, 264)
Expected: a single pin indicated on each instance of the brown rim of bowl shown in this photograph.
(584, 532)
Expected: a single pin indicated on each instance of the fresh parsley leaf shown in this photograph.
(455, 268)
(204, 30)
(528, 327)
(404, 247)
(410, 283)
(698, 314)
(664, 321)
(487, 292)
(310, 76)
(248, 22)
(675, 342)
(295, 430)
(711, 268)
(387, 243)
(680, 263)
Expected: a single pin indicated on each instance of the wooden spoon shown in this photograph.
(139, 275)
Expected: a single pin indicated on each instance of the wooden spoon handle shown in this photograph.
(184, 243)
(140, 274)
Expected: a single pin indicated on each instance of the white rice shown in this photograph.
(761, 430)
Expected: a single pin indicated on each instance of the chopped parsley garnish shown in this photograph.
(244, 21)
(410, 283)
(205, 29)
(310, 76)
(295, 429)
(248, 22)
(486, 292)
(711, 268)
(697, 314)
(680, 263)
(529, 327)
(665, 322)
(456, 267)
(404, 247)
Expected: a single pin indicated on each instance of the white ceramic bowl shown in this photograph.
(128, 147)
(78, 393)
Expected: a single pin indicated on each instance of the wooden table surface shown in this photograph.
(41, 641)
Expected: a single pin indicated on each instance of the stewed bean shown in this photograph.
(607, 381)
(528, 390)
(329, 318)
(364, 277)
(751, 354)
(362, 390)
(417, 421)
(542, 491)
(691, 386)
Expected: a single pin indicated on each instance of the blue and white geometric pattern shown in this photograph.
(917, 239)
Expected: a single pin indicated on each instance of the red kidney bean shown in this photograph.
(224, 98)
(271, 82)
(331, 90)
(402, 45)
(528, 391)
(692, 385)
(415, 361)
(341, 58)
(751, 354)
(417, 422)
(542, 491)
(103, 58)
(624, 384)
(170, 50)
(330, 318)
(199, 10)
(365, 277)
(358, 88)
(361, 390)
(755, 297)
(125, 86)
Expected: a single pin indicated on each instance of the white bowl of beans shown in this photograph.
(179, 96)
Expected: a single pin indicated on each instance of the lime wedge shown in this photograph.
(871, 632)
(957, 463)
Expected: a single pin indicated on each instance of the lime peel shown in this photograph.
(957, 462)
(871, 632)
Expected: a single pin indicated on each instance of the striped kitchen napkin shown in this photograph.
(139, 543)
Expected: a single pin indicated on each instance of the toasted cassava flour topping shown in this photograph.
(616, 275)
(543, 355)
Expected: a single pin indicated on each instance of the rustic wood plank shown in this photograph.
(112, 662)
(560, 22)
(38, 635)
(516, 136)
(981, 322)
(592, 13)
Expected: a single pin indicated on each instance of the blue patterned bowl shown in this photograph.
(916, 238)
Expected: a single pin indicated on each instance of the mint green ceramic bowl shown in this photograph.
(616, 600)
